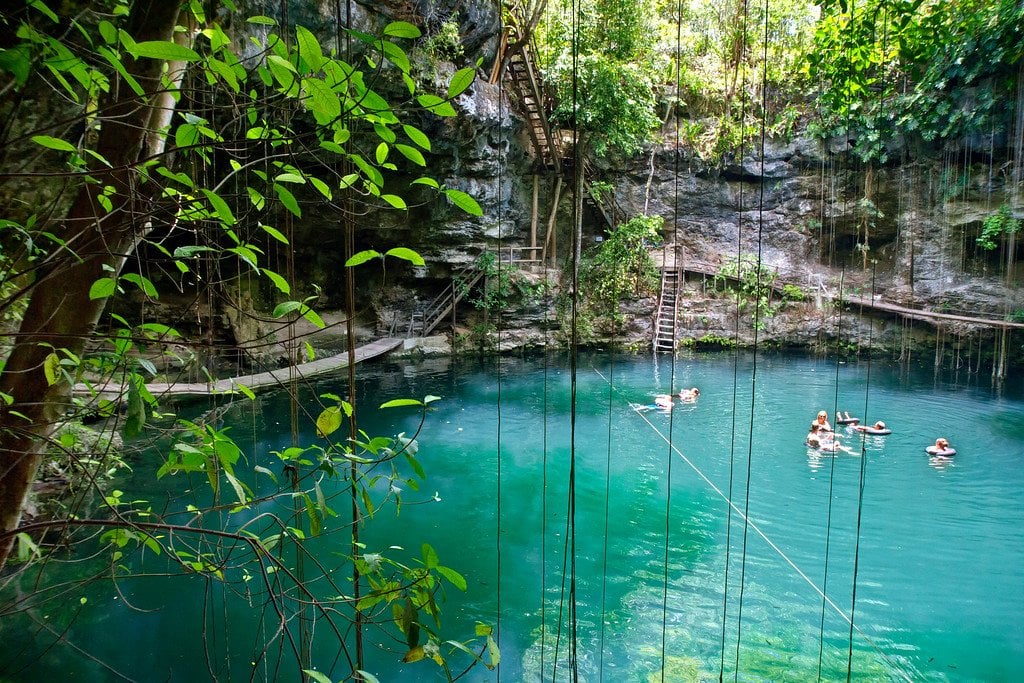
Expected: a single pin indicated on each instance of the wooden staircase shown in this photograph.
(604, 204)
(426, 320)
(668, 312)
(528, 88)
(530, 97)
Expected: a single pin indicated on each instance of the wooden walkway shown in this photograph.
(930, 316)
(261, 380)
(711, 270)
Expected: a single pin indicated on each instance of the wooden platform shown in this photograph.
(261, 380)
(706, 269)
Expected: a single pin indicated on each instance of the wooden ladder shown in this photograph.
(529, 93)
(668, 310)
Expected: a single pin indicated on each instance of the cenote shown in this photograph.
(938, 556)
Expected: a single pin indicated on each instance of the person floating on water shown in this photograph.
(941, 449)
(822, 440)
(878, 428)
(689, 395)
(663, 401)
(822, 421)
(845, 418)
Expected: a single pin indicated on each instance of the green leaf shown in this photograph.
(226, 73)
(316, 676)
(246, 391)
(142, 283)
(382, 152)
(429, 182)
(41, 7)
(371, 172)
(464, 202)
(315, 522)
(402, 29)
(394, 200)
(278, 281)
(309, 48)
(385, 133)
(412, 154)
(54, 143)
(51, 368)
(462, 79)
(135, 418)
(18, 62)
(284, 73)
(436, 104)
(186, 135)
(430, 398)
(288, 199)
(237, 486)
(285, 307)
(493, 652)
(430, 559)
(322, 100)
(275, 233)
(182, 178)
(102, 288)
(398, 402)
(329, 421)
(312, 317)
(367, 676)
(321, 187)
(164, 49)
(220, 207)
(262, 20)
(395, 54)
(407, 254)
(414, 655)
(108, 32)
(454, 578)
(362, 257)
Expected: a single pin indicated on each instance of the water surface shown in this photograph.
(663, 564)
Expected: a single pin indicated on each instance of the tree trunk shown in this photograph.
(60, 314)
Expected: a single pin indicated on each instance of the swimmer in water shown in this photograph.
(877, 427)
(824, 441)
(941, 449)
(822, 421)
(689, 395)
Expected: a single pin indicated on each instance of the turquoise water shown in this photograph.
(940, 562)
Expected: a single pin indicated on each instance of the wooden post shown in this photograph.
(550, 236)
(533, 218)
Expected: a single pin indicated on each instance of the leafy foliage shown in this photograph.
(755, 284)
(921, 71)
(239, 138)
(1000, 224)
(621, 266)
(605, 80)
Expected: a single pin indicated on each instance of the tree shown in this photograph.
(922, 71)
(601, 65)
(169, 127)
